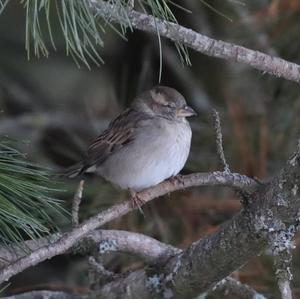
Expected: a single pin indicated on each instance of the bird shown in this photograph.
(146, 144)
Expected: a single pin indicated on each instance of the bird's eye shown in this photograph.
(170, 105)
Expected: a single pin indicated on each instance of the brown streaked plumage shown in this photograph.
(146, 144)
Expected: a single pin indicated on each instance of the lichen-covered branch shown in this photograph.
(281, 245)
(68, 240)
(273, 207)
(146, 248)
(201, 43)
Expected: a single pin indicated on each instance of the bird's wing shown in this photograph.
(120, 132)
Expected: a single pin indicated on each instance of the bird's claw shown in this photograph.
(137, 201)
(177, 179)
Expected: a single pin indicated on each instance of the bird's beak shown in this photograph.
(186, 111)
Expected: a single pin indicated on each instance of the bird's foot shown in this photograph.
(177, 179)
(136, 201)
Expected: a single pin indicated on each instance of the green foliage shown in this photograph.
(77, 22)
(218, 12)
(3, 4)
(26, 206)
(161, 10)
(81, 26)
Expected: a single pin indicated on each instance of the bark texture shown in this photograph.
(201, 43)
(270, 213)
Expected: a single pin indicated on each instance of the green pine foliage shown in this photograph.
(3, 4)
(82, 27)
(27, 209)
(78, 24)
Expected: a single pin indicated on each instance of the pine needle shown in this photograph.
(3, 4)
(27, 209)
(82, 28)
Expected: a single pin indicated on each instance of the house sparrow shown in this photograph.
(146, 144)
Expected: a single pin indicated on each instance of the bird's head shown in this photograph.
(164, 102)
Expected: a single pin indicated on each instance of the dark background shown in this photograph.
(57, 108)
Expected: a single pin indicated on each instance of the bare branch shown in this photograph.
(207, 261)
(201, 43)
(273, 207)
(146, 248)
(219, 141)
(71, 238)
(76, 203)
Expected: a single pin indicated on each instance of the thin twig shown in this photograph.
(76, 202)
(219, 141)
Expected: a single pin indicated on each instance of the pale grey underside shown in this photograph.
(159, 150)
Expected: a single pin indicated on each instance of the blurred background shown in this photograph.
(58, 108)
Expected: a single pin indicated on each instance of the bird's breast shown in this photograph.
(155, 155)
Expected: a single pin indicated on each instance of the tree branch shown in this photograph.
(230, 286)
(146, 248)
(68, 240)
(200, 43)
(273, 207)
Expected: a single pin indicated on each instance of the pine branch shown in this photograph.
(27, 209)
(267, 64)
(82, 27)
(68, 240)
